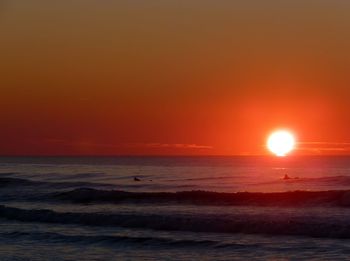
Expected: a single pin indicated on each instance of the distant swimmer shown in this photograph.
(286, 177)
(137, 179)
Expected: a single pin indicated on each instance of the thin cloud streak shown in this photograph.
(154, 145)
(169, 145)
(321, 146)
(324, 143)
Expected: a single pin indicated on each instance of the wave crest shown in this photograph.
(336, 198)
(249, 224)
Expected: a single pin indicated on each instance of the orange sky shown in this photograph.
(173, 77)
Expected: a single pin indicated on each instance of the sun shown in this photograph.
(281, 142)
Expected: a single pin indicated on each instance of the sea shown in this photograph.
(175, 208)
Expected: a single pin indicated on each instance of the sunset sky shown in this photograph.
(191, 77)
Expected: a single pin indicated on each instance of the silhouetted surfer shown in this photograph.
(137, 179)
(286, 177)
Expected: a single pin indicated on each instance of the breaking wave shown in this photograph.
(113, 240)
(336, 198)
(235, 223)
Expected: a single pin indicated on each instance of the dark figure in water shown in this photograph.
(137, 179)
(286, 177)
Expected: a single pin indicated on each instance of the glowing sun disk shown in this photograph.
(281, 142)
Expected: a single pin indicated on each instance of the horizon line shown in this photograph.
(169, 156)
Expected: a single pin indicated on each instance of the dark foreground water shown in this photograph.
(175, 208)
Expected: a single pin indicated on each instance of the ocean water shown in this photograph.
(174, 208)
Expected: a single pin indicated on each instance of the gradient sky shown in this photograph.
(173, 77)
